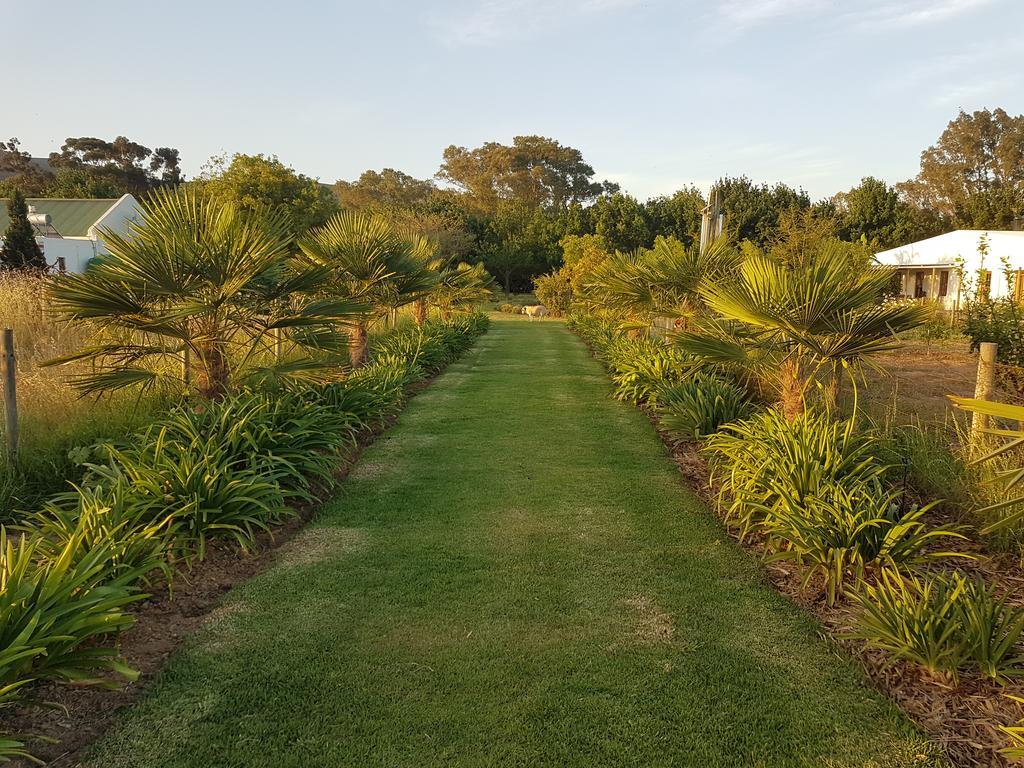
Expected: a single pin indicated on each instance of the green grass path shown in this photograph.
(514, 575)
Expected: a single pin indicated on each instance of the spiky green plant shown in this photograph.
(663, 281)
(203, 291)
(699, 405)
(767, 461)
(946, 624)
(788, 323)
(846, 531)
(1008, 478)
(641, 367)
(53, 608)
(137, 531)
(371, 260)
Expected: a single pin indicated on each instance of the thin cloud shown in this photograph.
(746, 12)
(494, 21)
(913, 14)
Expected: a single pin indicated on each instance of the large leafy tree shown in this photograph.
(534, 170)
(787, 322)
(371, 260)
(621, 220)
(974, 173)
(254, 182)
(880, 214)
(677, 215)
(385, 189)
(205, 292)
(126, 164)
(518, 243)
(752, 210)
(19, 249)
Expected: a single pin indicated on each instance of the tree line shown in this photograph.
(511, 206)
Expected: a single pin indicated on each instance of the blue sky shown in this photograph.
(656, 93)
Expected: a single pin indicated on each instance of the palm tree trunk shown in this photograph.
(358, 345)
(214, 375)
(791, 389)
(419, 311)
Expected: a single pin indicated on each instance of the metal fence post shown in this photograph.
(10, 393)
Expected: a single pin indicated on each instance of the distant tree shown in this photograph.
(974, 173)
(519, 243)
(677, 215)
(256, 181)
(752, 210)
(19, 249)
(534, 170)
(880, 215)
(125, 164)
(621, 221)
(387, 189)
(81, 183)
(25, 175)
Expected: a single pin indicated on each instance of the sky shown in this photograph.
(657, 94)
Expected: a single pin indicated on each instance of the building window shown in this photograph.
(943, 283)
(919, 291)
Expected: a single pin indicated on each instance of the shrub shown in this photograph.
(699, 406)
(765, 462)
(642, 367)
(842, 533)
(510, 309)
(554, 291)
(944, 623)
(597, 332)
(53, 608)
(137, 532)
(208, 492)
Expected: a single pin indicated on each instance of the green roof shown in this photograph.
(71, 218)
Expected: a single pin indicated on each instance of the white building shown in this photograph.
(70, 231)
(931, 269)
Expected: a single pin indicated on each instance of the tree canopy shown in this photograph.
(974, 174)
(535, 171)
(19, 249)
(257, 181)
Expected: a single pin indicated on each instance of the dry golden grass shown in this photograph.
(53, 418)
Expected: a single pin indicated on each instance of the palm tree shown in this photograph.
(663, 281)
(373, 262)
(789, 322)
(459, 286)
(200, 292)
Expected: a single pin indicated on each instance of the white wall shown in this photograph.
(76, 251)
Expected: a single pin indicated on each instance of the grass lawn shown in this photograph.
(514, 575)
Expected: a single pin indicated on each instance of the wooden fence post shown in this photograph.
(10, 393)
(983, 387)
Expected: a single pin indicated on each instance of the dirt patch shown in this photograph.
(318, 544)
(653, 625)
(916, 379)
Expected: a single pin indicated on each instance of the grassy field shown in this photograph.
(513, 576)
(53, 418)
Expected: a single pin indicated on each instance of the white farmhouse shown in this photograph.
(71, 231)
(930, 269)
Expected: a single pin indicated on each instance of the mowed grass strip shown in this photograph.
(514, 575)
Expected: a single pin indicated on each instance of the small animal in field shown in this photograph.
(534, 311)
